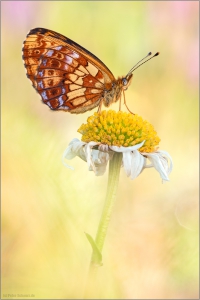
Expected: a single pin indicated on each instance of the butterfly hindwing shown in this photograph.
(67, 76)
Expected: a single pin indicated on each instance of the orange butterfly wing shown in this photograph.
(67, 76)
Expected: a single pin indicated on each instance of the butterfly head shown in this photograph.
(126, 81)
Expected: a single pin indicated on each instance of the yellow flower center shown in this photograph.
(119, 129)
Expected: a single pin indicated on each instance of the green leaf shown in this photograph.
(96, 256)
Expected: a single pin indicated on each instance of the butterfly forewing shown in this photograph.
(67, 76)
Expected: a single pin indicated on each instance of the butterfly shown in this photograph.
(67, 76)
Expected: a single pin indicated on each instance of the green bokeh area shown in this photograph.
(151, 249)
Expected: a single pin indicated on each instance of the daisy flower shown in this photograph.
(124, 140)
(112, 132)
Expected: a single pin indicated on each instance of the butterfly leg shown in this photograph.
(120, 102)
(126, 104)
(99, 107)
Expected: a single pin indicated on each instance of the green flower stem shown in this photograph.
(113, 179)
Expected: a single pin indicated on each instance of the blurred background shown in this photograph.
(151, 249)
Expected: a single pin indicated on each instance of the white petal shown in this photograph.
(64, 163)
(103, 147)
(88, 152)
(127, 162)
(75, 148)
(159, 160)
(126, 149)
(137, 164)
(166, 154)
(100, 160)
(133, 163)
(103, 157)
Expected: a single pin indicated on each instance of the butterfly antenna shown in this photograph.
(137, 66)
(131, 70)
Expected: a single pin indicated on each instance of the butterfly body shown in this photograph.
(67, 76)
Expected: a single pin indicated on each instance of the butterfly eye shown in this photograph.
(124, 81)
